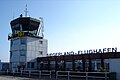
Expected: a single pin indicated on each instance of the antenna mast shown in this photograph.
(26, 11)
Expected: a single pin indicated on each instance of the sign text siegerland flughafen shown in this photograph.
(91, 51)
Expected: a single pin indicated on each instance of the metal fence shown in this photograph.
(83, 75)
(68, 75)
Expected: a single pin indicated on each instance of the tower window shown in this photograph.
(23, 41)
(41, 42)
(11, 43)
(15, 42)
(40, 52)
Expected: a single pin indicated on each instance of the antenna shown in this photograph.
(13, 16)
(26, 11)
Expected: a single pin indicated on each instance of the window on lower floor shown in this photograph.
(28, 64)
(40, 53)
(32, 64)
(41, 42)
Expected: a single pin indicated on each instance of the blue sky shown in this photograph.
(70, 25)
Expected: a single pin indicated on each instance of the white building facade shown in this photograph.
(26, 44)
(25, 50)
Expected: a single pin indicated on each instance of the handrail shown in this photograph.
(40, 73)
(67, 74)
(86, 74)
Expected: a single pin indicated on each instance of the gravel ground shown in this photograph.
(2, 77)
(15, 78)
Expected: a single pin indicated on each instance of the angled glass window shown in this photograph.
(23, 41)
(11, 43)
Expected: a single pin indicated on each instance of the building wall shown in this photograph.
(26, 49)
(14, 53)
(114, 67)
(4, 66)
(35, 48)
(0, 65)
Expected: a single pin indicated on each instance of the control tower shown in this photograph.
(26, 43)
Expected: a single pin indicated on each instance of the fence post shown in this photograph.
(13, 72)
(56, 74)
(29, 73)
(39, 74)
(50, 75)
(86, 75)
(7, 71)
(68, 75)
(21, 72)
(105, 76)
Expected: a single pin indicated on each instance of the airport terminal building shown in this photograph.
(28, 51)
(93, 62)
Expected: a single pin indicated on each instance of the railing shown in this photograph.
(5, 72)
(69, 75)
(46, 73)
(31, 73)
(85, 75)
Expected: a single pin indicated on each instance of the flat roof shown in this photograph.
(80, 56)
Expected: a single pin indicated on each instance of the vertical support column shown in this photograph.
(37, 66)
(64, 65)
(48, 65)
(90, 65)
(83, 64)
(95, 62)
(102, 63)
(41, 65)
(73, 65)
(56, 65)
